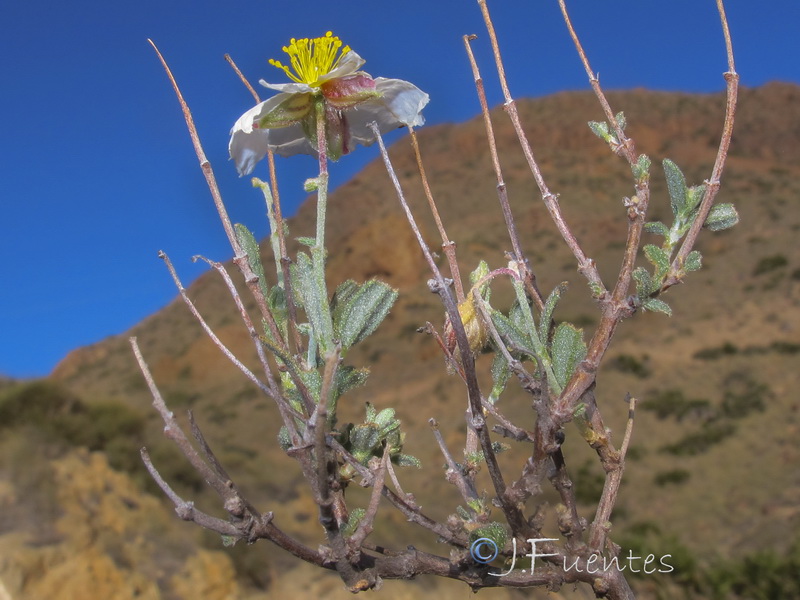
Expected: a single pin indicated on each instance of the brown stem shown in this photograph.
(512, 512)
(502, 193)
(713, 183)
(448, 246)
(614, 470)
(365, 526)
(240, 258)
(455, 474)
(283, 406)
(585, 264)
(271, 389)
(250, 530)
(295, 343)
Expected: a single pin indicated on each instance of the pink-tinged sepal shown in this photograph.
(348, 92)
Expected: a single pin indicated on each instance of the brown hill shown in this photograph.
(723, 489)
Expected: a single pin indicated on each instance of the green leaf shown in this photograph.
(493, 531)
(353, 520)
(641, 170)
(621, 120)
(659, 258)
(656, 227)
(385, 418)
(344, 292)
(676, 185)
(310, 292)
(600, 129)
(695, 196)
(360, 309)
(501, 373)
(284, 439)
(722, 216)
(477, 275)
(549, 307)
(307, 241)
(462, 512)
(250, 246)
(596, 289)
(348, 378)
(515, 337)
(568, 350)
(277, 304)
(657, 305)
(644, 283)
(694, 261)
(406, 460)
(364, 439)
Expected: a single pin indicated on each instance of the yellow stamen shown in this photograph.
(312, 58)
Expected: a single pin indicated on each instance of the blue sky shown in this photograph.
(98, 173)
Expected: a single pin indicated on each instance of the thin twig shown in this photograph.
(512, 512)
(276, 213)
(396, 482)
(585, 264)
(626, 440)
(502, 192)
(625, 144)
(365, 526)
(713, 183)
(201, 156)
(448, 246)
(257, 527)
(637, 210)
(184, 509)
(243, 79)
(270, 390)
(174, 432)
(254, 334)
(602, 524)
(240, 257)
(455, 474)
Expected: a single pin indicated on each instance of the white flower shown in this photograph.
(286, 123)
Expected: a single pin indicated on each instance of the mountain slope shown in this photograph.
(732, 338)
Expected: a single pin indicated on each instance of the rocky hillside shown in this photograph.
(714, 471)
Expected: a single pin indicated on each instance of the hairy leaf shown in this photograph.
(656, 227)
(641, 170)
(516, 338)
(657, 305)
(549, 307)
(694, 261)
(310, 292)
(568, 349)
(600, 129)
(722, 216)
(360, 309)
(500, 376)
(658, 257)
(676, 185)
(250, 246)
(644, 283)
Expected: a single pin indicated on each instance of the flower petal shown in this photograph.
(250, 135)
(288, 141)
(246, 149)
(348, 65)
(288, 88)
(404, 100)
(399, 105)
